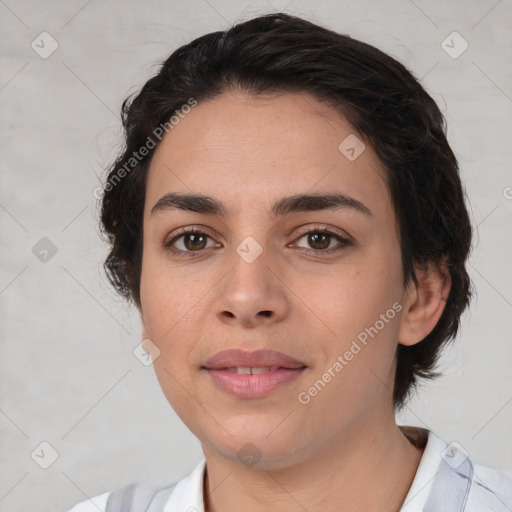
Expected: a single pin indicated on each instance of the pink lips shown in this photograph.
(255, 359)
(283, 369)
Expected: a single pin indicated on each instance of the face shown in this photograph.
(322, 285)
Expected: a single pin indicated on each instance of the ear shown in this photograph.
(424, 303)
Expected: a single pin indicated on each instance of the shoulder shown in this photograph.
(449, 479)
(138, 496)
(131, 497)
(491, 485)
(501, 477)
(96, 504)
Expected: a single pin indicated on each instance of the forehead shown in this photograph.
(244, 149)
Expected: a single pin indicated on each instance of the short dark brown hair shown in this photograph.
(382, 100)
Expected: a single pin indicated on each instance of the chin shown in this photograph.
(255, 448)
(259, 455)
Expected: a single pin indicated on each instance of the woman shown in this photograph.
(289, 220)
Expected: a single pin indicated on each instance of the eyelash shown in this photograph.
(344, 242)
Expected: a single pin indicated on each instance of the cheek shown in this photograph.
(352, 297)
(168, 295)
(161, 310)
(356, 368)
(169, 304)
(361, 306)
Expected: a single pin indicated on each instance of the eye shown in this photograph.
(192, 241)
(321, 241)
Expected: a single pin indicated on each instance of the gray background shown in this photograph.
(68, 375)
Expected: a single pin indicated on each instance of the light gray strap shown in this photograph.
(138, 498)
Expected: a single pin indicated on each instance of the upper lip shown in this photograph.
(232, 358)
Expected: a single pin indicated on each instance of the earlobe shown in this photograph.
(424, 303)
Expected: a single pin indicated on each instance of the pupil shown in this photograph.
(323, 236)
(194, 239)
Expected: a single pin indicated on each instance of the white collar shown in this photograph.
(188, 493)
(425, 474)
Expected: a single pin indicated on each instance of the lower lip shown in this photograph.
(253, 386)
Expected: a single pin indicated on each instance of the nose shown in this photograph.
(251, 293)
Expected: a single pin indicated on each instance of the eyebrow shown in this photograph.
(200, 203)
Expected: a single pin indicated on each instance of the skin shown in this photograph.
(342, 450)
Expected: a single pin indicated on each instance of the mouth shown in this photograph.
(252, 374)
(248, 370)
(253, 382)
(256, 361)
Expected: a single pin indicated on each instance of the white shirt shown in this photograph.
(188, 493)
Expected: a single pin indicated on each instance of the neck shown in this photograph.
(368, 469)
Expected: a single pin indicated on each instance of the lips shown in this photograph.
(241, 360)
(252, 374)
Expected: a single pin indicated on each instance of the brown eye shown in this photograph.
(318, 240)
(194, 241)
(187, 243)
(321, 241)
